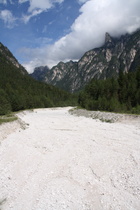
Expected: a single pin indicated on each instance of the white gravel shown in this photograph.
(61, 161)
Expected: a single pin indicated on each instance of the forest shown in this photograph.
(18, 91)
(113, 95)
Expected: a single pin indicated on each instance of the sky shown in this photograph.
(45, 32)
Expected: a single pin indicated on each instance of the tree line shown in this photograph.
(18, 91)
(114, 95)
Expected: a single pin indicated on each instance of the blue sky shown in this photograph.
(44, 32)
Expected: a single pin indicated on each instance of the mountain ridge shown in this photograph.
(117, 54)
(6, 55)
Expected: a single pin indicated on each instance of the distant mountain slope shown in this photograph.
(19, 91)
(104, 62)
(40, 73)
(62, 75)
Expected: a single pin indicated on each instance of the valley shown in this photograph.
(60, 161)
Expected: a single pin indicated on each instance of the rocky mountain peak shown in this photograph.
(41, 68)
(100, 63)
(108, 40)
(40, 72)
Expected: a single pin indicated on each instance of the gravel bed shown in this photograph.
(104, 116)
(52, 160)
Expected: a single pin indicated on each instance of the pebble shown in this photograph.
(103, 116)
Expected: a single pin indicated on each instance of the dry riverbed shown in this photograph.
(53, 160)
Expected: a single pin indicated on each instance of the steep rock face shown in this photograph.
(61, 75)
(40, 73)
(117, 54)
(107, 61)
(7, 56)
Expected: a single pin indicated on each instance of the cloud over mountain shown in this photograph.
(96, 18)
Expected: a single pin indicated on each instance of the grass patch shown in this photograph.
(7, 118)
(106, 120)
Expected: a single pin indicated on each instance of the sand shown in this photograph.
(60, 161)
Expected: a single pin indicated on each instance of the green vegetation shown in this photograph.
(18, 91)
(120, 95)
(7, 118)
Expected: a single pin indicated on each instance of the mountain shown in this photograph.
(19, 91)
(117, 54)
(40, 73)
(7, 58)
(62, 75)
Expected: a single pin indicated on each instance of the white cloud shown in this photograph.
(11, 1)
(38, 6)
(33, 57)
(26, 18)
(87, 32)
(3, 1)
(42, 4)
(6, 1)
(8, 18)
(82, 1)
(22, 1)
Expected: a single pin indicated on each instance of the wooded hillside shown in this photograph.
(120, 95)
